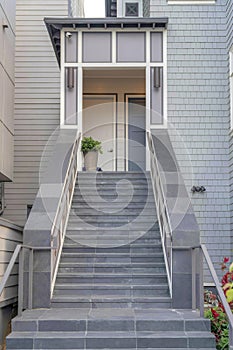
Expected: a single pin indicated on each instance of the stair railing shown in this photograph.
(162, 211)
(57, 238)
(62, 215)
(198, 254)
(18, 256)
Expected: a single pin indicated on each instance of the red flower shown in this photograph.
(214, 313)
(225, 260)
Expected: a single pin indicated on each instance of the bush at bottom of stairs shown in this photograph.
(215, 310)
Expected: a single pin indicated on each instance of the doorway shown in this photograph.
(135, 133)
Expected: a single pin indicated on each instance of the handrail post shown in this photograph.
(201, 283)
(30, 279)
(20, 283)
(194, 294)
(230, 336)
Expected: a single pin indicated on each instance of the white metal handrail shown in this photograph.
(19, 253)
(203, 253)
(162, 210)
(61, 218)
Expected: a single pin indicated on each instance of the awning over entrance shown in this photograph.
(54, 26)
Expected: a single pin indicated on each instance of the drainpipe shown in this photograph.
(2, 198)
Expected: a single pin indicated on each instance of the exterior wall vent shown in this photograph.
(131, 9)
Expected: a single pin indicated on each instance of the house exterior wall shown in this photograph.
(7, 48)
(10, 236)
(229, 8)
(76, 8)
(37, 100)
(198, 111)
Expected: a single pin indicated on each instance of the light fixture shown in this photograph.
(157, 77)
(70, 77)
(198, 189)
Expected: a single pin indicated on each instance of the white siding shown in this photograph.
(7, 47)
(37, 100)
(10, 236)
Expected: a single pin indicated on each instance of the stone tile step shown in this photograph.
(107, 320)
(113, 185)
(113, 212)
(112, 257)
(110, 340)
(104, 217)
(114, 174)
(115, 193)
(135, 225)
(118, 249)
(114, 206)
(110, 278)
(115, 200)
(121, 269)
(114, 304)
(109, 239)
(111, 267)
(112, 290)
(129, 229)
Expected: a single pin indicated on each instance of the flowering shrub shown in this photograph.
(216, 312)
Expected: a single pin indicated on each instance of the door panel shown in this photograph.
(99, 123)
(136, 134)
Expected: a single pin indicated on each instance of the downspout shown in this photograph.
(2, 198)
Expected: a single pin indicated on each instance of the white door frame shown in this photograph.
(127, 97)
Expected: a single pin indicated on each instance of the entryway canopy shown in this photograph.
(55, 25)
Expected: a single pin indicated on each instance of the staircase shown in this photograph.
(111, 290)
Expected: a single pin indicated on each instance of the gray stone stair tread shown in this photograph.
(119, 264)
(107, 274)
(106, 253)
(109, 286)
(111, 298)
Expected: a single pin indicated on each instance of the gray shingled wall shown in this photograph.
(197, 108)
(229, 45)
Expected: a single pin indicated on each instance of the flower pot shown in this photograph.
(90, 160)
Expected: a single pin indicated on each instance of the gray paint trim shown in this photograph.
(94, 60)
(118, 34)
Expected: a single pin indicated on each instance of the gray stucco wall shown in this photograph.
(37, 100)
(198, 110)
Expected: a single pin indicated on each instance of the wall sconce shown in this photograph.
(4, 24)
(157, 77)
(198, 189)
(70, 77)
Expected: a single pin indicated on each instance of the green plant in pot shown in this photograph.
(91, 148)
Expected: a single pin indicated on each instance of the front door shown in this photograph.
(136, 133)
(99, 115)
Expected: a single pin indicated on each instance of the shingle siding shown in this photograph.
(229, 8)
(37, 100)
(198, 109)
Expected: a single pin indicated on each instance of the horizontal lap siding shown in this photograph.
(198, 110)
(9, 238)
(37, 100)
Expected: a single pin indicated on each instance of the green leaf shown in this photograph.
(229, 295)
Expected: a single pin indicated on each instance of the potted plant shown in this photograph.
(90, 149)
